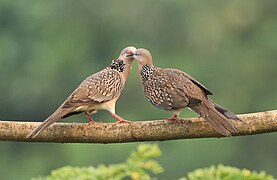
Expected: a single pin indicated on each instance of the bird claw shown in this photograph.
(122, 121)
(119, 119)
(95, 123)
(174, 118)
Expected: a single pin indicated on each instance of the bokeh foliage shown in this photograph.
(48, 47)
(140, 162)
(137, 166)
(221, 172)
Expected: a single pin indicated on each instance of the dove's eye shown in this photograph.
(128, 52)
(138, 54)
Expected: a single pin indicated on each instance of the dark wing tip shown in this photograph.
(207, 92)
(201, 86)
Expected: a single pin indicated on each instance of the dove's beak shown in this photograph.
(130, 55)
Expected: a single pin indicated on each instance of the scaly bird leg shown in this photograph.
(89, 118)
(119, 119)
(174, 118)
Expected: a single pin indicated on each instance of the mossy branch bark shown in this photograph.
(155, 130)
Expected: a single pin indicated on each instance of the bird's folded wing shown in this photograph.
(201, 86)
(164, 91)
(97, 88)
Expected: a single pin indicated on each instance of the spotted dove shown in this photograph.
(99, 91)
(174, 90)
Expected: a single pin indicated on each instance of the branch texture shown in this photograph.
(155, 130)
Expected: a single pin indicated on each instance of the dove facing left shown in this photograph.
(99, 91)
(173, 90)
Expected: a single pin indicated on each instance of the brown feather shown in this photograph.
(99, 91)
(58, 114)
(218, 121)
(173, 90)
(97, 88)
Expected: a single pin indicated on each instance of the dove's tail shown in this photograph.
(217, 116)
(58, 114)
(228, 114)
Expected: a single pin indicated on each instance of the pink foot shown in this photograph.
(174, 118)
(119, 119)
(89, 118)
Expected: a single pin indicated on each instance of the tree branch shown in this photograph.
(156, 130)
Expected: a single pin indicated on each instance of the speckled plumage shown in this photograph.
(99, 87)
(173, 90)
(168, 89)
(99, 91)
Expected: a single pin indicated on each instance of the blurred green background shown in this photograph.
(48, 47)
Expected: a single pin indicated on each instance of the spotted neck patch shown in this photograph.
(146, 71)
(118, 65)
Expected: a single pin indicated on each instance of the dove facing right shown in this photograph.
(99, 91)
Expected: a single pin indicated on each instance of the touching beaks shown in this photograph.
(129, 55)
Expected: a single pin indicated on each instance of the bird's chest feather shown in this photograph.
(164, 91)
(155, 90)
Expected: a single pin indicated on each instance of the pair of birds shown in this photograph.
(168, 89)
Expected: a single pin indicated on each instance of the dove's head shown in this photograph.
(143, 56)
(124, 61)
(127, 54)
